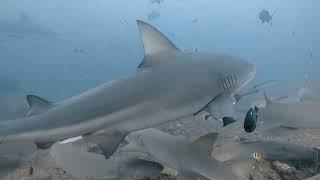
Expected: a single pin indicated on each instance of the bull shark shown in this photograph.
(156, 152)
(167, 86)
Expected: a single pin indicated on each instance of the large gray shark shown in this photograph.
(150, 151)
(169, 85)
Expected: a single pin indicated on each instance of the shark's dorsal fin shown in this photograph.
(37, 105)
(268, 101)
(207, 141)
(153, 40)
(154, 43)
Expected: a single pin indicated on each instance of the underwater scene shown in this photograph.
(159, 90)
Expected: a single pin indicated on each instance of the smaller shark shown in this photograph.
(295, 115)
(191, 159)
(24, 26)
(154, 151)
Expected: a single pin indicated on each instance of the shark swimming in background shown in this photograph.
(150, 152)
(290, 116)
(23, 27)
(167, 86)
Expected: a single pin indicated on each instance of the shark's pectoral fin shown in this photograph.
(220, 108)
(37, 105)
(154, 43)
(107, 142)
(228, 120)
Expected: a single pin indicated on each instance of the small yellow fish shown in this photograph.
(257, 156)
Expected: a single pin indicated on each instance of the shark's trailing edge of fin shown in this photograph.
(37, 105)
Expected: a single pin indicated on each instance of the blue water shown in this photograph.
(91, 42)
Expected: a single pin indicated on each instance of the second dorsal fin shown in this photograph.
(37, 105)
